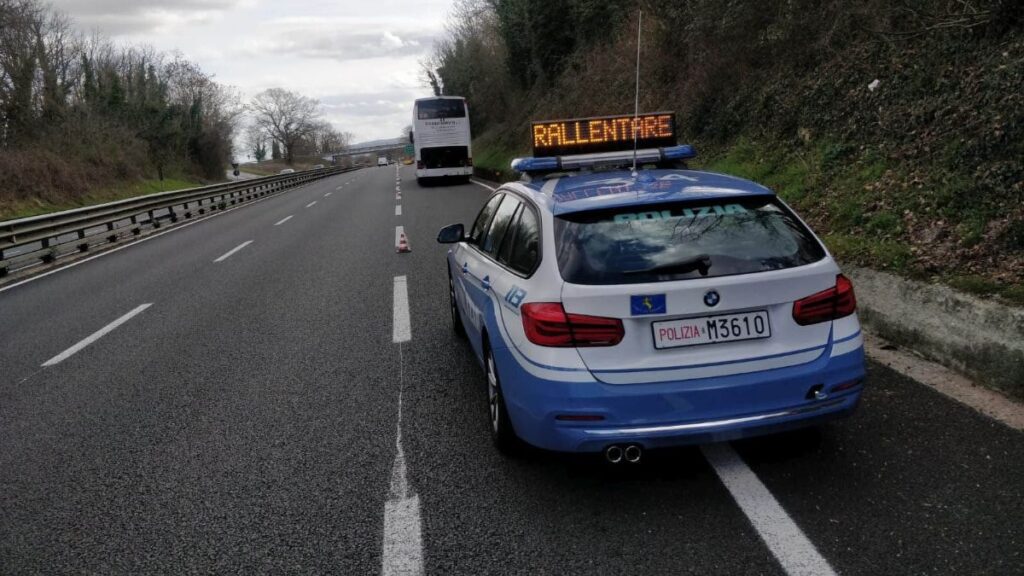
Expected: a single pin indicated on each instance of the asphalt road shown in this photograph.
(248, 421)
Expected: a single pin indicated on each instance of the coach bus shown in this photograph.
(441, 138)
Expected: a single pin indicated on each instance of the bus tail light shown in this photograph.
(547, 324)
(469, 162)
(419, 164)
(831, 304)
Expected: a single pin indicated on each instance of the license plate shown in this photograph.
(711, 329)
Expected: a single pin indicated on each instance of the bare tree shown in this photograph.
(288, 117)
(256, 141)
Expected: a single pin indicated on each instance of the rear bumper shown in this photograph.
(678, 413)
(442, 172)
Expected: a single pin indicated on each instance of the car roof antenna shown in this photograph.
(636, 96)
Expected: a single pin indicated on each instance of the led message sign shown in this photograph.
(603, 134)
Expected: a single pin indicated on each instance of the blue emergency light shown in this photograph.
(603, 159)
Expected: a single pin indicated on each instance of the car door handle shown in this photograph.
(486, 283)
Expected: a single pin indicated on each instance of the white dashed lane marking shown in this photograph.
(398, 210)
(282, 220)
(399, 230)
(233, 250)
(95, 336)
(401, 330)
(310, 205)
(402, 547)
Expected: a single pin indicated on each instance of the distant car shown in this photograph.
(382, 161)
(616, 310)
(287, 171)
(318, 167)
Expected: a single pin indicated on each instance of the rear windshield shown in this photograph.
(655, 243)
(434, 109)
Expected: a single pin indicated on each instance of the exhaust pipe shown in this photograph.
(633, 453)
(613, 454)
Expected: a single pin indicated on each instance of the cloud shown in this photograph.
(359, 58)
(118, 17)
(367, 105)
(340, 40)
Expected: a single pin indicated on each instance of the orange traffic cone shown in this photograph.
(403, 244)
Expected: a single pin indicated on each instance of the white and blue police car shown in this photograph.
(618, 301)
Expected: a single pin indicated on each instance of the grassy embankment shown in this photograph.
(272, 167)
(898, 135)
(31, 207)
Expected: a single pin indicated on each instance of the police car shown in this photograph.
(618, 301)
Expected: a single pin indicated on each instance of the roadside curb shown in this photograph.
(980, 338)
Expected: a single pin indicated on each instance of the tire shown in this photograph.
(502, 434)
(422, 182)
(457, 327)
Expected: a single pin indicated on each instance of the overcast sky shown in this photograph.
(359, 58)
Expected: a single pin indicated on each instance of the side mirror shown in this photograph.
(451, 234)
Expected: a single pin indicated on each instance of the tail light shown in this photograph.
(469, 161)
(419, 164)
(832, 304)
(547, 324)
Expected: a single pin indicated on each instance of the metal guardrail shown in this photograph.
(42, 237)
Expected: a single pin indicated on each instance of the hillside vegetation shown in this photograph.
(83, 120)
(896, 128)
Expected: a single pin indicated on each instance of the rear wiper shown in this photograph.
(700, 263)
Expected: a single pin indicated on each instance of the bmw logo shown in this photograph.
(711, 298)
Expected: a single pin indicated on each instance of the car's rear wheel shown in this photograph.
(501, 427)
(457, 326)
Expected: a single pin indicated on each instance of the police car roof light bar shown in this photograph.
(603, 159)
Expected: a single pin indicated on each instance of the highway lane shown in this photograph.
(247, 420)
(76, 301)
(485, 514)
(914, 483)
(245, 425)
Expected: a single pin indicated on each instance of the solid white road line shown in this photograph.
(95, 336)
(479, 183)
(398, 210)
(311, 204)
(401, 330)
(283, 220)
(233, 250)
(788, 544)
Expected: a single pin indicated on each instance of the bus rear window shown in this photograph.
(656, 243)
(434, 109)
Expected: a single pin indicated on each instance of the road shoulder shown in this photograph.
(946, 382)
